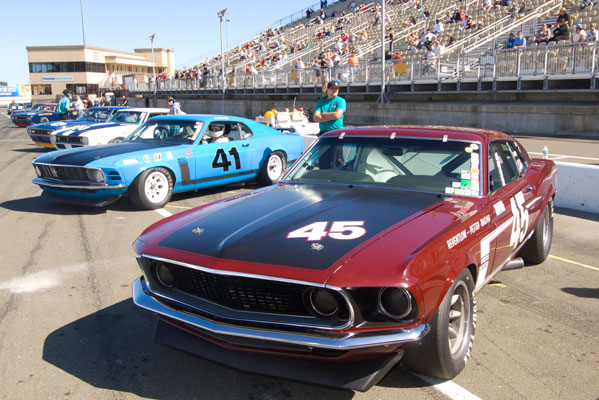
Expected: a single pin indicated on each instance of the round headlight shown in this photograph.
(165, 275)
(95, 175)
(52, 138)
(395, 303)
(84, 139)
(322, 302)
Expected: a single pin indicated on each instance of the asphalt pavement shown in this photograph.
(68, 328)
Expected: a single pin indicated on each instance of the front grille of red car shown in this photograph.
(241, 293)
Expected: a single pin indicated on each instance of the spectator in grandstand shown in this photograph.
(354, 64)
(587, 3)
(439, 48)
(429, 60)
(542, 35)
(579, 35)
(329, 110)
(487, 4)
(560, 33)
(427, 39)
(390, 35)
(524, 9)
(470, 23)
(564, 17)
(593, 35)
(439, 28)
(510, 41)
(316, 68)
(519, 41)
(412, 42)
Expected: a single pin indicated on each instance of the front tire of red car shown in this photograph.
(536, 249)
(445, 350)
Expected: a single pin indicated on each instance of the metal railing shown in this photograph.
(561, 61)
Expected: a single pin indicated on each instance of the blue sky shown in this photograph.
(190, 27)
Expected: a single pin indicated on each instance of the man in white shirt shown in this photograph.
(579, 35)
(593, 35)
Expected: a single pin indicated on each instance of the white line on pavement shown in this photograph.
(448, 388)
(163, 212)
(14, 140)
(561, 156)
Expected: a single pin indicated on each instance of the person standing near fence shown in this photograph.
(329, 110)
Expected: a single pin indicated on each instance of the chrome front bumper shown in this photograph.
(339, 341)
(44, 183)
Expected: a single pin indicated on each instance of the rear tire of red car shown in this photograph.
(536, 249)
(272, 169)
(152, 189)
(444, 351)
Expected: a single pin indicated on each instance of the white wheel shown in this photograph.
(156, 187)
(272, 169)
(152, 188)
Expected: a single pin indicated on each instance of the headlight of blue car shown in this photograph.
(96, 175)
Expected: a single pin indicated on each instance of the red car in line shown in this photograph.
(370, 250)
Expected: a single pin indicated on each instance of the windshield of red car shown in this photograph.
(434, 165)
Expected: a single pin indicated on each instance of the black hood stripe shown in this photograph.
(256, 228)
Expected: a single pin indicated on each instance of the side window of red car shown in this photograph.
(503, 167)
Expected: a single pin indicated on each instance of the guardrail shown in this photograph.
(566, 61)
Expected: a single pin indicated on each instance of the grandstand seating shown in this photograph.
(468, 53)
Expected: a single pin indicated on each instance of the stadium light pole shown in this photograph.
(221, 15)
(82, 22)
(383, 96)
(152, 36)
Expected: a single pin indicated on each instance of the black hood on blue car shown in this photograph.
(257, 228)
(85, 155)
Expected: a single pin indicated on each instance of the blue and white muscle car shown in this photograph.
(120, 125)
(40, 133)
(166, 155)
(39, 113)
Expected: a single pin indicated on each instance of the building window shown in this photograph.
(37, 90)
(79, 66)
(82, 88)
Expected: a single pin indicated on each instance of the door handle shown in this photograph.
(245, 145)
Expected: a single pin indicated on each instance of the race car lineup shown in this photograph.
(367, 252)
(44, 112)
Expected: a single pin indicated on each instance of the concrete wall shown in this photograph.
(577, 187)
(547, 119)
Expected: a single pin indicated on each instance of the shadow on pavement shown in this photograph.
(113, 349)
(587, 293)
(33, 150)
(577, 214)
(40, 206)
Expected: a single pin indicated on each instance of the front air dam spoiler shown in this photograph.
(359, 376)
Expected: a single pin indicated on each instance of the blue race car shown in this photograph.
(40, 133)
(39, 113)
(166, 155)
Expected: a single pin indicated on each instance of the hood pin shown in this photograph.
(197, 231)
(317, 246)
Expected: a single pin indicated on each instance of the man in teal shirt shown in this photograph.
(329, 110)
(64, 106)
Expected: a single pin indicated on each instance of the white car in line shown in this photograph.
(118, 127)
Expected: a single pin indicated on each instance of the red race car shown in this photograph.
(370, 249)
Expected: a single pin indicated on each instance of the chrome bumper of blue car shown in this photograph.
(341, 341)
(44, 183)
